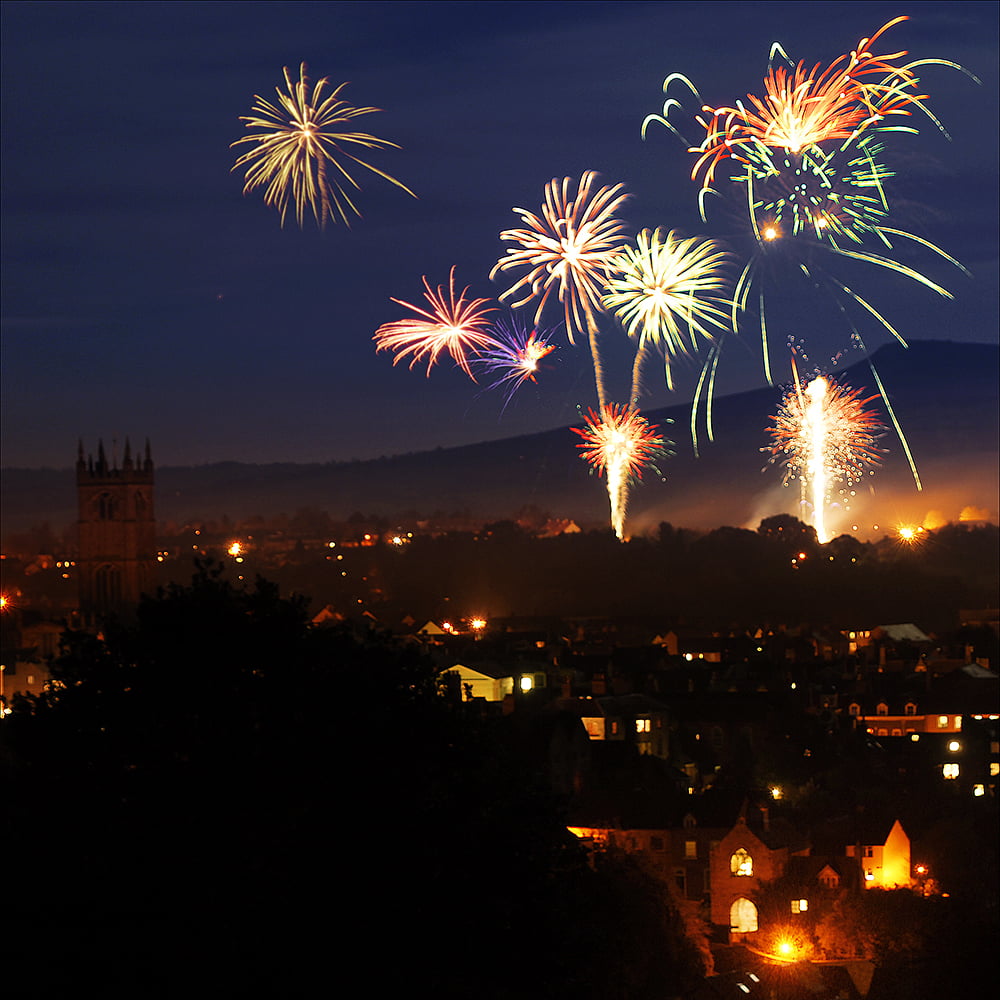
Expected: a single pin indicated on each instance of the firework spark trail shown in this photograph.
(804, 108)
(568, 250)
(456, 325)
(515, 355)
(665, 292)
(297, 148)
(620, 442)
(823, 434)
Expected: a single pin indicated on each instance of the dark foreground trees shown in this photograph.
(220, 800)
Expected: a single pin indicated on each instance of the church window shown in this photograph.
(741, 863)
(108, 586)
(107, 508)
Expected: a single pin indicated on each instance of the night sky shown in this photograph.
(144, 295)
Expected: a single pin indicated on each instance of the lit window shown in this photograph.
(690, 848)
(800, 905)
(741, 863)
(950, 770)
(994, 769)
(642, 725)
(942, 722)
(978, 790)
(743, 916)
(526, 683)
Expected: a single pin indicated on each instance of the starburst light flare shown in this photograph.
(665, 291)
(567, 250)
(456, 325)
(515, 355)
(620, 442)
(301, 150)
(824, 435)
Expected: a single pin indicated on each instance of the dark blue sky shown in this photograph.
(144, 295)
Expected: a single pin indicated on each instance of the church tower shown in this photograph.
(116, 531)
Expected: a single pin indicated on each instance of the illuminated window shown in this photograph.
(942, 722)
(741, 863)
(743, 916)
(691, 848)
(978, 790)
(994, 769)
(800, 905)
(950, 770)
(642, 725)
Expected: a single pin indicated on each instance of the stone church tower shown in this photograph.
(116, 531)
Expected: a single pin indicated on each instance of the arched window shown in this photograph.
(106, 507)
(743, 916)
(882, 709)
(107, 586)
(741, 864)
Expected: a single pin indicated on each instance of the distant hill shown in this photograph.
(944, 395)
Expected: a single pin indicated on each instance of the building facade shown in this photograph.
(116, 531)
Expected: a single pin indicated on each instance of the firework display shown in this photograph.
(801, 169)
(514, 356)
(301, 150)
(807, 162)
(453, 324)
(665, 292)
(826, 438)
(620, 443)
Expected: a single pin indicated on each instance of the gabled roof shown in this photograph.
(907, 631)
